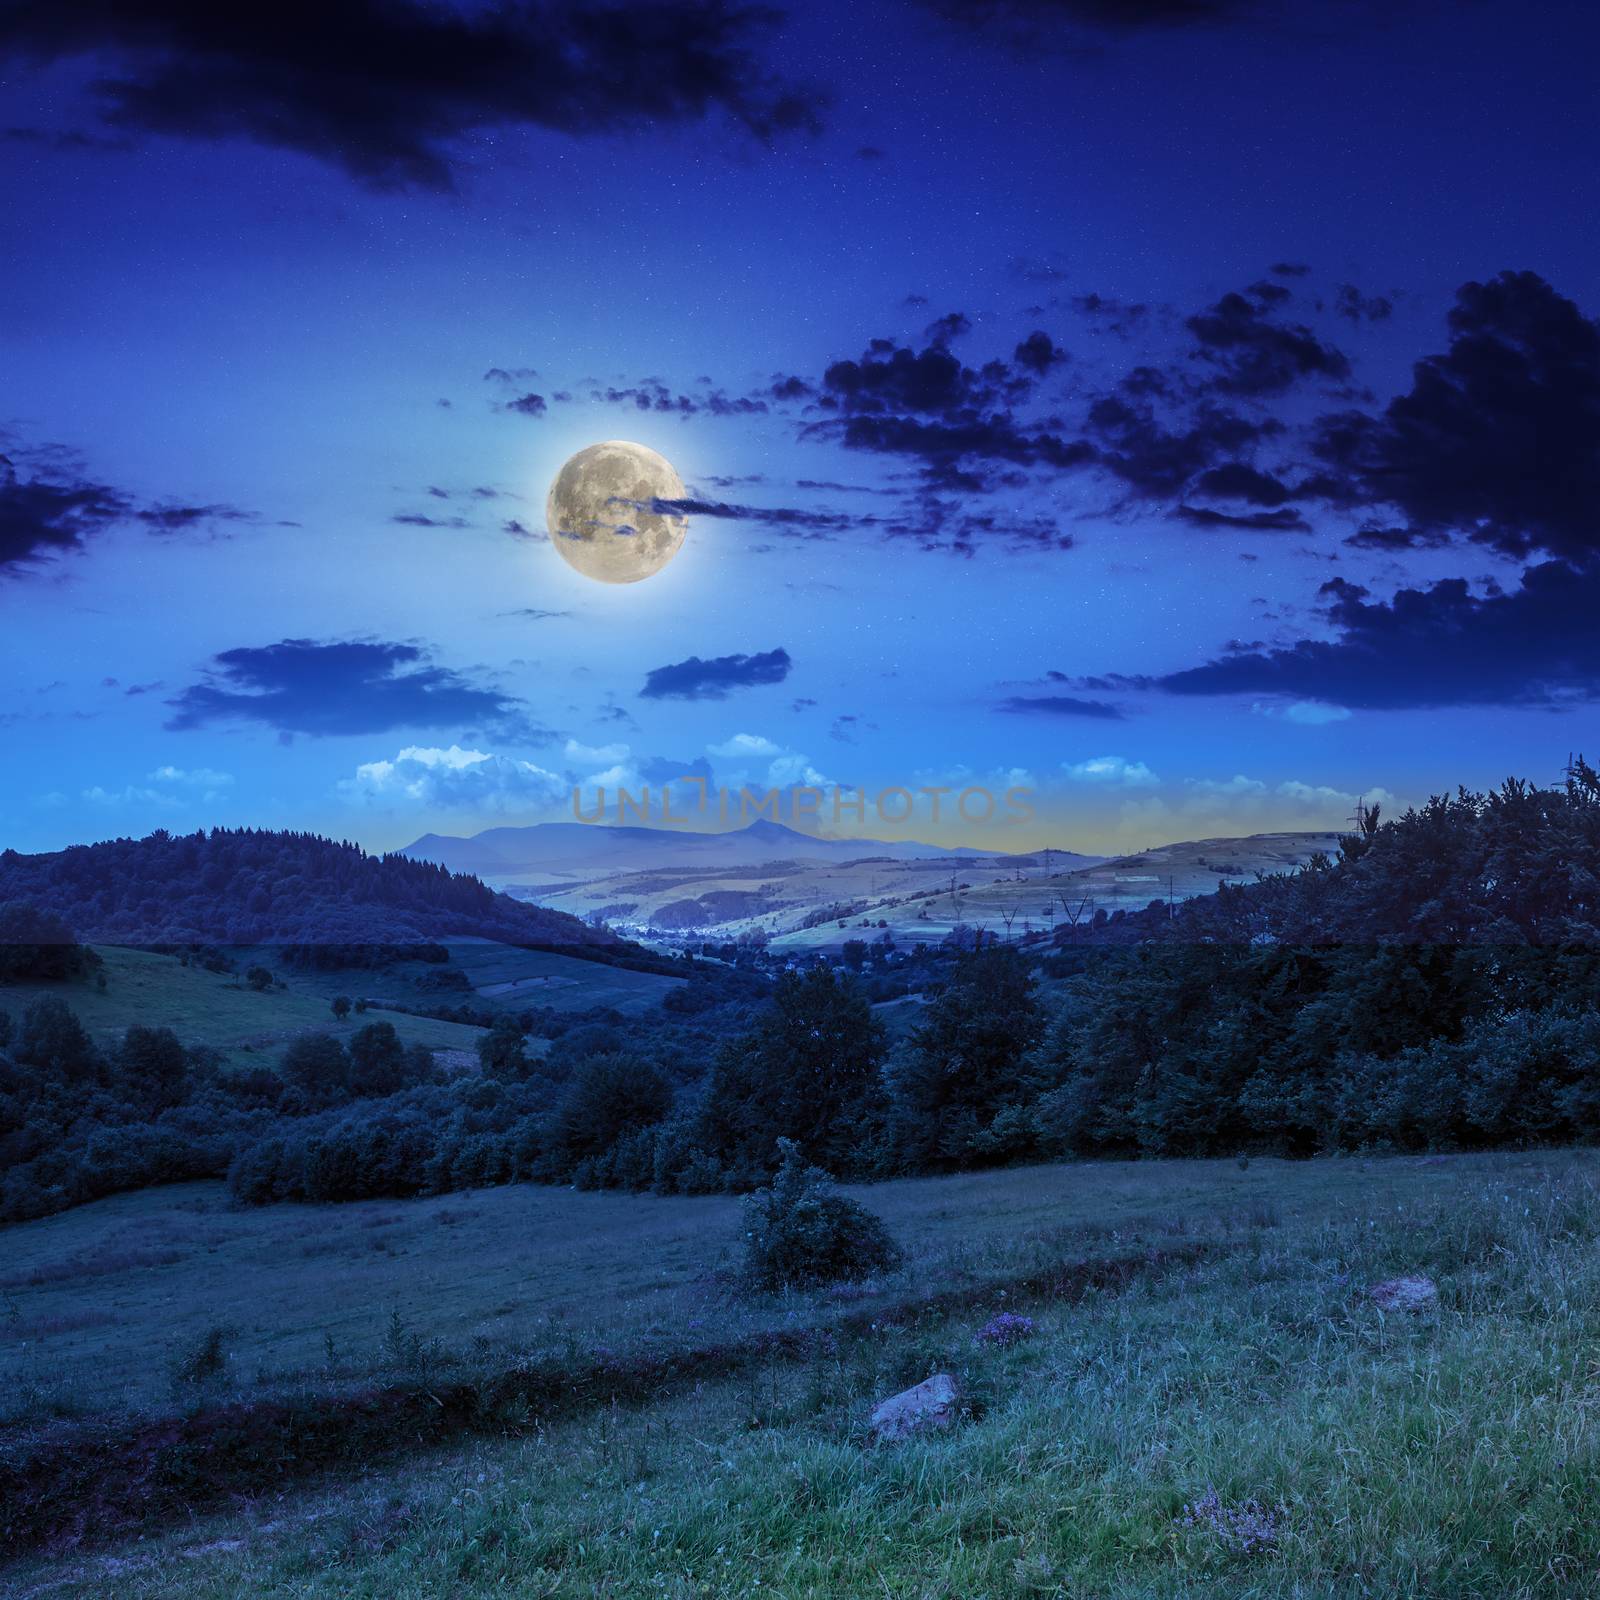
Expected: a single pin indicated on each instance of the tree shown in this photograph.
(259, 979)
(154, 1065)
(377, 1060)
(810, 1071)
(965, 1069)
(316, 1063)
(340, 1006)
(53, 1040)
(500, 1051)
(609, 1097)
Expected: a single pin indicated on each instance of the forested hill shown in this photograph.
(1519, 865)
(250, 886)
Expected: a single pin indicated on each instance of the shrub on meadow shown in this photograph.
(800, 1233)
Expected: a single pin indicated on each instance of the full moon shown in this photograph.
(600, 516)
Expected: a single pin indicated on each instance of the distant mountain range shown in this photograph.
(578, 847)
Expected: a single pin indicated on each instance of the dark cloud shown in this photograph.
(894, 378)
(535, 614)
(44, 515)
(517, 529)
(942, 446)
(1059, 705)
(1107, 314)
(652, 395)
(814, 524)
(528, 405)
(57, 508)
(301, 686)
(1038, 353)
(420, 519)
(1290, 269)
(950, 326)
(957, 528)
(1439, 646)
(1350, 302)
(1157, 461)
(1255, 355)
(1270, 294)
(1286, 520)
(695, 679)
(949, 417)
(1498, 439)
(1234, 480)
(1393, 540)
(389, 89)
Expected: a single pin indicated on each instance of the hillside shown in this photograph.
(1206, 1398)
(809, 903)
(131, 987)
(255, 887)
(590, 848)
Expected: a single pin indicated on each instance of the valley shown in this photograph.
(675, 888)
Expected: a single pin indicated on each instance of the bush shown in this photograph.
(259, 979)
(799, 1233)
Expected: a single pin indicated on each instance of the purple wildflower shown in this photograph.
(1245, 1527)
(1005, 1330)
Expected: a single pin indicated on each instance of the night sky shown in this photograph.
(1188, 409)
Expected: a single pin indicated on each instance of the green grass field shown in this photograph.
(1450, 1452)
(219, 1009)
(513, 979)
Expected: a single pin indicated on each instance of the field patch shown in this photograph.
(514, 979)
(221, 1010)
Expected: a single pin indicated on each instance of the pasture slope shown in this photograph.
(221, 1010)
(250, 1028)
(1218, 1408)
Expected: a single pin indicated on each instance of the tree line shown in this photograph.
(1429, 986)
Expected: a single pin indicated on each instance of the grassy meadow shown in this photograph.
(251, 1028)
(514, 979)
(221, 1010)
(1227, 1415)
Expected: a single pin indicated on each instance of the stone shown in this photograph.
(1404, 1294)
(928, 1406)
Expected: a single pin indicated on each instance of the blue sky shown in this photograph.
(246, 403)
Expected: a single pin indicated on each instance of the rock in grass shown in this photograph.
(1404, 1294)
(929, 1406)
